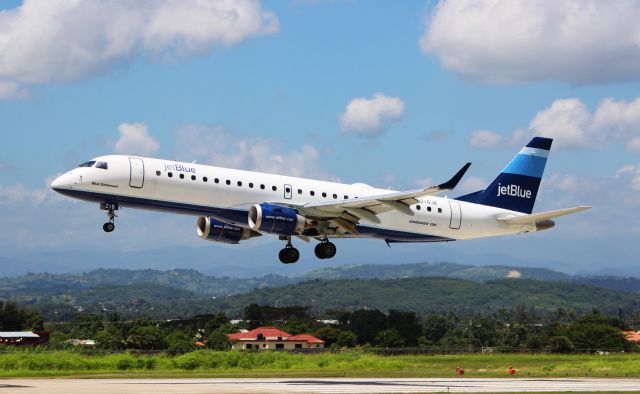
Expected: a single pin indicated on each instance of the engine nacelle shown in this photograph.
(276, 219)
(217, 231)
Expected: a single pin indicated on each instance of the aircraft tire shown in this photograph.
(108, 227)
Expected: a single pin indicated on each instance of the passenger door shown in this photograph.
(136, 172)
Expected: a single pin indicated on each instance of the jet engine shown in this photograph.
(276, 219)
(214, 230)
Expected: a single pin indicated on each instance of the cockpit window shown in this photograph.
(102, 164)
(87, 164)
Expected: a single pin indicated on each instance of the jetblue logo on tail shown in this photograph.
(513, 191)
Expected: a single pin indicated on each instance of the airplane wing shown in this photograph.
(538, 217)
(368, 208)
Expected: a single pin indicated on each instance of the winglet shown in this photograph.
(453, 182)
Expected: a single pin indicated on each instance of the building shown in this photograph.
(632, 336)
(24, 338)
(272, 338)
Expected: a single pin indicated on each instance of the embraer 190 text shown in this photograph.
(235, 205)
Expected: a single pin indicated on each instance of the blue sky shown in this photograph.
(394, 94)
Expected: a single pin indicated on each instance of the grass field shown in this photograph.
(353, 363)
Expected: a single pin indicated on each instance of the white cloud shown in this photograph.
(578, 41)
(11, 90)
(473, 184)
(631, 174)
(135, 139)
(484, 139)
(370, 117)
(572, 125)
(634, 144)
(215, 146)
(567, 121)
(45, 41)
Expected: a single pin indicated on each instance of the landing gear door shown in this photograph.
(136, 177)
(456, 215)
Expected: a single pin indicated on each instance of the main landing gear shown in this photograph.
(289, 254)
(110, 208)
(325, 249)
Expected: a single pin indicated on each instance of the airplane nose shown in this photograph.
(61, 182)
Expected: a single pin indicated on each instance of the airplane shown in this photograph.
(234, 205)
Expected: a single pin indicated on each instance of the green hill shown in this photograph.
(438, 295)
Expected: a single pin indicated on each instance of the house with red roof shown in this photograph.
(632, 336)
(272, 338)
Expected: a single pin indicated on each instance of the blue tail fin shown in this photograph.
(517, 185)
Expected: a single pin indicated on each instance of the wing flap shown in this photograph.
(400, 201)
(539, 217)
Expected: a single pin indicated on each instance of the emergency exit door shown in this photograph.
(136, 174)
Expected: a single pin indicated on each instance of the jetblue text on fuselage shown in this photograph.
(513, 191)
(179, 167)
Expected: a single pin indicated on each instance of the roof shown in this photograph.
(272, 334)
(18, 334)
(632, 336)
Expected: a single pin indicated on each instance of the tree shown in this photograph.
(180, 341)
(346, 339)
(366, 324)
(561, 344)
(15, 318)
(109, 338)
(216, 321)
(389, 338)
(407, 325)
(435, 327)
(146, 338)
(592, 337)
(218, 340)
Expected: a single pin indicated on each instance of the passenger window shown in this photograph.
(251, 185)
(428, 209)
(439, 210)
(169, 174)
(262, 187)
(216, 180)
(193, 177)
(181, 176)
(228, 182)
(324, 194)
(288, 190)
(274, 188)
(158, 173)
(335, 196)
(299, 191)
(418, 207)
(312, 193)
(102, 165)
(239, 183)
(204, 179)
(346, 197)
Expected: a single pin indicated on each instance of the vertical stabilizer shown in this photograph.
(517, 185)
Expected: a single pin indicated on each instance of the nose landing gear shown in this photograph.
(111, 214)
(289, 254)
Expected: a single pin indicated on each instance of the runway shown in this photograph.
(313, 385)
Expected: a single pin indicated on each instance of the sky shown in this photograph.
(396, 94)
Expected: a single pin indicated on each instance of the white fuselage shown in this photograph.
(202, 190)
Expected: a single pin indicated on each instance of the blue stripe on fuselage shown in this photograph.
(234, 216)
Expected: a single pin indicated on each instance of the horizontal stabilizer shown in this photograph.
(539, 217)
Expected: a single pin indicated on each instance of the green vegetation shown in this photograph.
(344, 363)
(437, 295)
